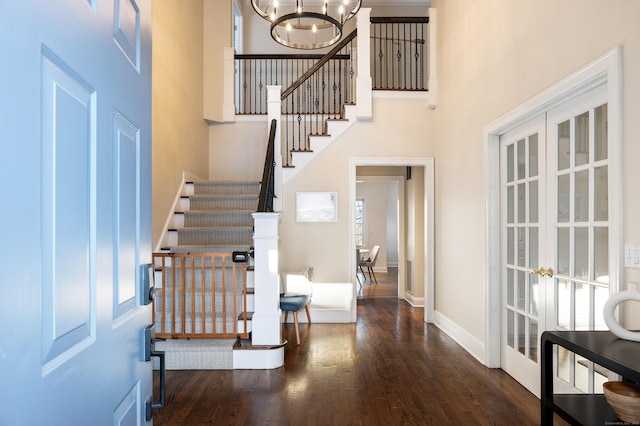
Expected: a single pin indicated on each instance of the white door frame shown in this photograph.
(606, 69)
(428, 164)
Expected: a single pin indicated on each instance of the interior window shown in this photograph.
(360, 222)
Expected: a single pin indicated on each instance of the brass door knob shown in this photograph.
(543, 272)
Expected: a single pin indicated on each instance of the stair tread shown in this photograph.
(245, 344)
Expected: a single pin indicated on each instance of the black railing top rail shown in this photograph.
(399, 20)
(265, 202)
(332, 53)
(284, 56)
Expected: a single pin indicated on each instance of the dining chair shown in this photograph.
(370, 263)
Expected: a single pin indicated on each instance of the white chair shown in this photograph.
(369, 263)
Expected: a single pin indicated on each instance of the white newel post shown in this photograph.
(266, 326)
(363, 81)
(274, 109)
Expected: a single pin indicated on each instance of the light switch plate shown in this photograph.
(632, 256)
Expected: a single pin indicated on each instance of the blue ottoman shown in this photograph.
(294, 304)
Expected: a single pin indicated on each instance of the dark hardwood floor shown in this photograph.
(390, 368)
(385, 287)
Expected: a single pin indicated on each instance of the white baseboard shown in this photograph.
(416, 302)
(468, 342)
(186, 177)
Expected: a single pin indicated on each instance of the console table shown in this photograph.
(603, 348)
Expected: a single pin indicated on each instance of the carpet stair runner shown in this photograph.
(213, 217)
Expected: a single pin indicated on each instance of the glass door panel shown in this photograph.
(580, 182)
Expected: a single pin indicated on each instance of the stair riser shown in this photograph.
(223, 203)
(251, 188)
(238, 236)
(217, 219)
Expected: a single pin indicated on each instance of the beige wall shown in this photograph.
(180, 136)
(398, 129)
(494, 55)
(238, 150)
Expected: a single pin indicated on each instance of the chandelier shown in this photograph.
(306, 25)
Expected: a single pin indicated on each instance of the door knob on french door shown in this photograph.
(548, 272)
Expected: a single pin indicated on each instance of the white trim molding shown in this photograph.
(461, 336)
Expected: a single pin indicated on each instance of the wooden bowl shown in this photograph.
(624, 399)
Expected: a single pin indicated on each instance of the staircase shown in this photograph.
(210, 217)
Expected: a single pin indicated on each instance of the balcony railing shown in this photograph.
(316, 87)
(399, 53)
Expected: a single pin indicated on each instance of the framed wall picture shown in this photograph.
(316, 206)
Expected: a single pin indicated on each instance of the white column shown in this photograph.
(363, 81)
(433, 80)
(266, 326)
(274, 109)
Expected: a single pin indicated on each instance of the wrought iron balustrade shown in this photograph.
(399, 53)
(255, 72)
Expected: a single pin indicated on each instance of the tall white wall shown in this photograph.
(494, 55)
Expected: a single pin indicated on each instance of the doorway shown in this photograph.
(423, 233)
(380, 220)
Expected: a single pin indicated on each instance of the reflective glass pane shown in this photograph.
(582, 306)
(563, 260)
(521, 203)
(564, 198)
(601, 376)
(510, 204)
(601, 254)
(582, 373)
(533, 155)
(600, 133)
(600, 296)
(563, 301)
(522, 231)
(510, 163)
(522, 292)
(510, 288)
(533, 339)
(581, 197)
(533, 201)
(582, 139)
(521, 333)
(510, 247)
(564, 361)
(533, 248)
(510, 328)
(521, 159)
(581, 252)
(601, 193)
(564, 145)
(534, 303)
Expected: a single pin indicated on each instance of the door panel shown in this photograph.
(522, 152)
(579, 183)
(75, 120)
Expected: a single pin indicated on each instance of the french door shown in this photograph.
(555, 237)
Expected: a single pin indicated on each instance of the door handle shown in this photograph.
(548, 272)
(149, 404)
(149, 352)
